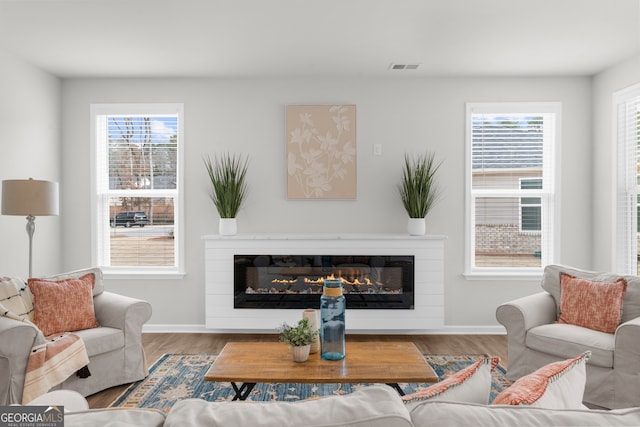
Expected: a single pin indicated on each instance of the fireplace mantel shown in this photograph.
(428, 312)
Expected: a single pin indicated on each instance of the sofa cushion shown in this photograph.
(115, 417)
(101, 340)
(558, 385)
(64, 305)
(471, 384)
(593, 305)
(371, 406)
(631, 305)
(454, 414)
(565, 341)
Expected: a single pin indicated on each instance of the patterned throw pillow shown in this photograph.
(15, 298)
(558, 385)
(593, 305)
(471, 385)
(63, 305)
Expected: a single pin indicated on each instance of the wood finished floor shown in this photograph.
(157, 344)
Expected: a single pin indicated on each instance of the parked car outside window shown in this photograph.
(129, 219)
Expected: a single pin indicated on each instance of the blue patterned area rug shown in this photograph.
(175, 377)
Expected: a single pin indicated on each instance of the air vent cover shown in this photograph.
(404, 66)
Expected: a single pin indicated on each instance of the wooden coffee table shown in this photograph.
(248, 363)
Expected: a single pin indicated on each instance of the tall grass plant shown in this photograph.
(227, 174)
(419, 190)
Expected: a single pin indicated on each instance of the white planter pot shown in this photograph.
(300, 353)
(417, 226)
(227, 226)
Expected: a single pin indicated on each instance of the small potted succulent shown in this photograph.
(299, 339)
(418, 189)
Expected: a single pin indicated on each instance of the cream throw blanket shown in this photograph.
(52, 359)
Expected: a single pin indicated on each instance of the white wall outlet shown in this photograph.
(377, 149)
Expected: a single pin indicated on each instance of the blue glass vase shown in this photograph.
(332, 308)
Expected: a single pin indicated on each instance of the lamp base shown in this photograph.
(31, 228)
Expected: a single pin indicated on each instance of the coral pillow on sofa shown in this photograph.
(593, 305)
(98, 286)
(471, 384)
(558, 385)
(63, 305)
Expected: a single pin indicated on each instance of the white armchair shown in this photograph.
(115, 351)
(534, 339)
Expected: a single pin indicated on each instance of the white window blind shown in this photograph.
(510, 187)
(627, 113)
(137, 208)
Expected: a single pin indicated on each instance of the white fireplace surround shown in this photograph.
(428, 252)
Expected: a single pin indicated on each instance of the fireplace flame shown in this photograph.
(366, 281)
(284, 281)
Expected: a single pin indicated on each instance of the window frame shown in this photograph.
(625, 180)
(100, 218)
(529, 205)
(550, 197)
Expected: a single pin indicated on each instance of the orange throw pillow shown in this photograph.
(63, 305)
(593, 305)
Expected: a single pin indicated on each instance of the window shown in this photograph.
(530, 207)
(137, 185)
(511, 197)
(627, 215)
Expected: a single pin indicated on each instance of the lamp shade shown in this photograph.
(29, 197)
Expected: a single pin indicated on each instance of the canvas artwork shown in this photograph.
(321, 151)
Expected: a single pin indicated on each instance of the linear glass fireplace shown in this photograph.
(295, 281)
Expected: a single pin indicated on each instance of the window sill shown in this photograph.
(504, 275)
(113, 274)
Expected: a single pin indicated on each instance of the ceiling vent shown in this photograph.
(404, 66)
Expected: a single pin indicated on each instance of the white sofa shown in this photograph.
(372, 407)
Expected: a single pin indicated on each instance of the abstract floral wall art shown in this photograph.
(321, 151)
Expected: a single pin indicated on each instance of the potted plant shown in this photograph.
(227, 174)
(418, 189)
(299, 338)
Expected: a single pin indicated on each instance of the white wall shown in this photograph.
(603, 180)
(404, 115)
(29, 147)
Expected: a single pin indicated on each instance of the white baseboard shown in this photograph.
(156, 328)
(473, 330)
(445, 330)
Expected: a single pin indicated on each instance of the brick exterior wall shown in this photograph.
(505, 239)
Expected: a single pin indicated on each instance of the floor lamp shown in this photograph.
(32, 198)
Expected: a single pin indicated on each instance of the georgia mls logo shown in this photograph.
(31, 416)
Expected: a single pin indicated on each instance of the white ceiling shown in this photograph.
(245, 38)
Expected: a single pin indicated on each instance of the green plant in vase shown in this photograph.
(299, 338)
(227, 175)
(419, 190)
